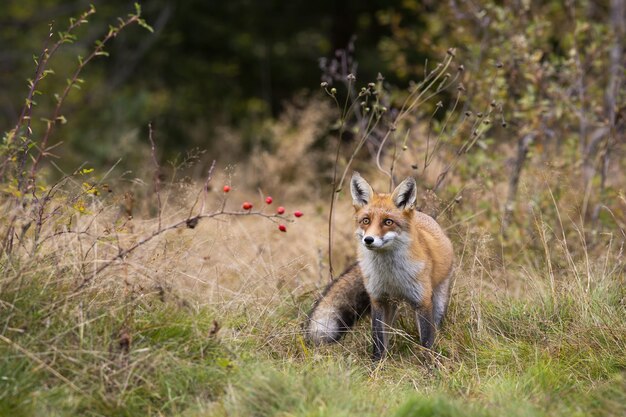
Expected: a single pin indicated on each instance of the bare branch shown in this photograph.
(157, 172)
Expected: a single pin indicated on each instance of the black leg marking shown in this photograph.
(378, 333)
(427, 326)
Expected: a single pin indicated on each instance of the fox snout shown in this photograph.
(371, 242)
(375, 242)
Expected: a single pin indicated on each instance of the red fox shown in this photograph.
(404, 255)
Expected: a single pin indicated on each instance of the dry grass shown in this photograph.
(208, 321)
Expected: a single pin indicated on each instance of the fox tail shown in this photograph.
(342, 304)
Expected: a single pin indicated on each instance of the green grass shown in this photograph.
(72, 356)
(120, 350)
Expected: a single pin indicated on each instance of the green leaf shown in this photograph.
(145, 25)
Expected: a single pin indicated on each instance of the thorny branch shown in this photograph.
(189, 222)
(40, 73)
(72, 82)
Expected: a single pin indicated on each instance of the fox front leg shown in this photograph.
(426, 323)
(382, 318)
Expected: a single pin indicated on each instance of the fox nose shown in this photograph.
(368, 240)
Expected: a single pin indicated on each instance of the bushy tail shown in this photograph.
(343, 302)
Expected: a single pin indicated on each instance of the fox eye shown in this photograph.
(388, 222)
(365, 221)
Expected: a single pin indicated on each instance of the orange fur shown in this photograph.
(404, 255)
(429, 243)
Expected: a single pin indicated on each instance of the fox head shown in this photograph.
(383, 220)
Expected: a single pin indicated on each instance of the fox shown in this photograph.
(403, 256)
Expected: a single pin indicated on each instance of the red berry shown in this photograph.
(226, 188)
(246, 206)
(298, 213)
(280, 210)
(268, 200)
(282, 227)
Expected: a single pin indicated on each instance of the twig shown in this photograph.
(157, 172)
(522, 151)
(190, 222)
(335, 165)
(204, 191)
(73, 81)
(40, 74)
(428, 160)
(414, 100)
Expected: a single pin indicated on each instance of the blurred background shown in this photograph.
(227, 80)
(208, 65)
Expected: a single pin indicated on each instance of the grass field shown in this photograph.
(208, 321)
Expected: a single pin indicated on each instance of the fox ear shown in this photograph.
(361, 191)
(405, 194)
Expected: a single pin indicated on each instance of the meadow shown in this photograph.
(209, 320)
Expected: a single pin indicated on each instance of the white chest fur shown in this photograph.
(392, 274)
